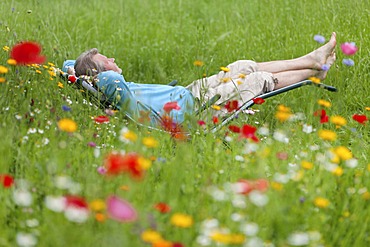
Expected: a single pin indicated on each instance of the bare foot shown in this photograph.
(329, 62)
(322, 54)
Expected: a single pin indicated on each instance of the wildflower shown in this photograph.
(242, 76)
(360, 118)
(151, 236)
(276, 186)
(323, 117)
(314, 79)
(307, 128)
(215, 120)
(201, 123)
(258, 101)
(26, 239)
(338, 120)
(11, 61)
(102, 170)
(283, 113)
(367, 108)
(234, 128)
(366, 195)
(67, 125)
(226, 79)
(325, 67)
(3, 69)
(321, 202)
(319, 38)
(307, 165)
(198, 63)
(343, 153)
(162, 207)
(97, 205)
(22, 198)
(120, 210)
(174, 128)
(324, 103)
(327, 135)
(248, 131)
(224, 69)
(169, 106)
(76, 209)
(338, 171)
(232, 105)
(124, 163)
(228, 238)
(348, 62)
(6, 180)
(6, 48)
(216, 107)
(60, 85)
(181, 220)
(348, 49)
(66, 108)
(27, 53)
(162, 243)
(258, 199)
(127, 135)
(2, 80)
(101, 119)
(100, 217)
(298, 239)
(55, 203)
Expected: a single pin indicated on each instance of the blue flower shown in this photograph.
(319, 38)
(325, 67)
(348, 62)
(66, 108)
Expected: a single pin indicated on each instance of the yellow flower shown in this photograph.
(2, 80)
(150, 142)
(276, 186)
(97, 205)
(239, 82)
(343, 153)
(321, 202)
(225, 69)
(283, 116)
(284, 108)
(6, 48)
(327, 135)
(129, 135)
(228, 238)
(198, 63)
(51, 64)
(3, 69)
(67, 125)
(366, 195)
(11, 61)
(145, 164)
(216, 107)
(338, 171)
(314, 79)
(367, 108)
(338, 120)
(226, 79)
(242, 76)
(100, 217)
(52, 73)
(60, 85)
(181, 220)
(38, 71)
(307, 165)
(324, 103)
(162, 243)
(151, 236)
(368, 167)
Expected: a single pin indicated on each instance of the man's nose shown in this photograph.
(111, 59)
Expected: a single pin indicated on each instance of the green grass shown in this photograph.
(156, 42)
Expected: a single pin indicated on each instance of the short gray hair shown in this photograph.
(85, 64)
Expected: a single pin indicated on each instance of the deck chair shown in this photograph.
(156, 119)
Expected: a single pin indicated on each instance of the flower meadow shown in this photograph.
(293, 170)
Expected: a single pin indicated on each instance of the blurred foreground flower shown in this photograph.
(3, 69)
(321, 202)
(360, 118)
(232, 105)
(27, 53)
(101, 119)
(348, 48)
(131, 163)
(6, 180)
(319, 38)
(348, 62)
(162, 207)
(76, 209)
(182, 220)
(120, 210)
(169, 106)
(327, 135)
(67, 125)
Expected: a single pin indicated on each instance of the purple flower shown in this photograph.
(91, 144)
(325, 67)
(319, 38)
(66, 108)
(348, 49)
(348, 62)
(102, 170)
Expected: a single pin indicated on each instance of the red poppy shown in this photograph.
(169, 106)
(201, 123)
(322, 114)
(360, 118)
(101, 119)
(258, 101)
(6, 180)
(232, 105)
(27, 53)
(234, 128)
(248, 131)
(76, 201)
(215, 120)
(174, 128)
(123, 163)
(162, 207)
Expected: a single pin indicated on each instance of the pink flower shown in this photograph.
(120, 210)
(169, 106)
(348, 49)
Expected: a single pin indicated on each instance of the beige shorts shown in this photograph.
(242, 82)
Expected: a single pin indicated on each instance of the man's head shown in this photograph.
(91, 63)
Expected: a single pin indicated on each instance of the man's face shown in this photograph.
(109, 63)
